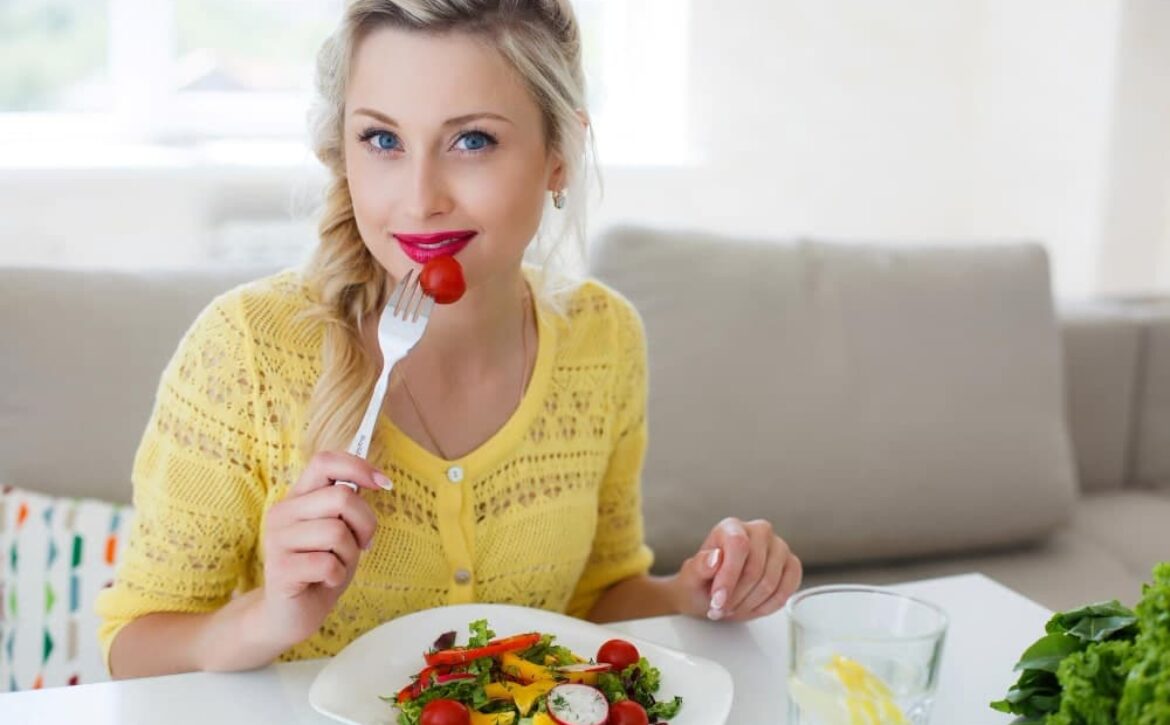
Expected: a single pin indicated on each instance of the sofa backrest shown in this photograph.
(82, 355)
(872, 401)
(838, 333)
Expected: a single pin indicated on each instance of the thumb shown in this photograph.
(707, 563)
(695, 577)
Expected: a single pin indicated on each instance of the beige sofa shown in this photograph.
(898, 412)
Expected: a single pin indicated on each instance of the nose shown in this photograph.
(427, 194)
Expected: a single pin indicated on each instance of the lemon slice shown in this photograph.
(867, 699)
(827, 708)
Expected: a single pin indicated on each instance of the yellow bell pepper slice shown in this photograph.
(525, 696)
(543, 718)
(495, 718)
(523, 670)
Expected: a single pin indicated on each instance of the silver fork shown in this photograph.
(403, 322)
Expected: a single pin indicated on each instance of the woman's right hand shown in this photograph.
(312, 542)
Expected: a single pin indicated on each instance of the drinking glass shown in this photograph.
(861, 654)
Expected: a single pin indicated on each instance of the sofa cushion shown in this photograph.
(1062, 572)
(872, 401)
(58, 553)
(1133, 526)
(93, 345)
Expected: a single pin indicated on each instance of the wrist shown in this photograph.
(671, 587)
(238, 636)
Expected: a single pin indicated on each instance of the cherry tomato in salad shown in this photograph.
(627, 712)
(442, 278)
(619, 653)
(446, 712)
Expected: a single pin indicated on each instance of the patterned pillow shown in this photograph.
(56, 554)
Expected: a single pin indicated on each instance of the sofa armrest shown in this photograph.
(1102, 346)
(1117, 375)
(1151, 452)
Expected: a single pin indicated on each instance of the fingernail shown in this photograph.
(718, 601)
(715, 614)
(382, 481)
(713, 559)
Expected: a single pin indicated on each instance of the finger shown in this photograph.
(736, 545)
(331, 503)
(789, 583)
(755, 566)
(331, 536)
(696, 574)
(328, 467)
(769, 581)
(315, 567)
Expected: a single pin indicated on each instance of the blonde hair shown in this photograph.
(540, 39)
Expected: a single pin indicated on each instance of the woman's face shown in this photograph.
(441, 135)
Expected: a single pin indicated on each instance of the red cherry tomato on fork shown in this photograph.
(445, 712)
(442, 278)
(619, 653)
(627, 712)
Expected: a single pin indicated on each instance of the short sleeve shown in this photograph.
(199, 491)
(619, 550)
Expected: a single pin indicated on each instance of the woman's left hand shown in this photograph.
(742, 571)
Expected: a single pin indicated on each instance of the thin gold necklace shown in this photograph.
(523, 379)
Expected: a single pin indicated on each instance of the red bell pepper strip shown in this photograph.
(463, 655)
(430, 677)
(414, 689)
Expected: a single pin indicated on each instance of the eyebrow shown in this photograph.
(456, 121)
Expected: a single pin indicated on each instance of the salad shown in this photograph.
(528, 679)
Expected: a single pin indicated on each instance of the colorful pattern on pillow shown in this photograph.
(57, 555)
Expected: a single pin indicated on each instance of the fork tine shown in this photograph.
(427, 305)
(396, 295)
(410, 299)
(416, 301)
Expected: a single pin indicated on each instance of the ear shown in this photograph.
(556, 173)
(556, 178)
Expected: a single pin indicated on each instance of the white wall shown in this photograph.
(918, 120)
(900, 120)
(1135, 231)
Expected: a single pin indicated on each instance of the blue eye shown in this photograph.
(476, 141)
(385, 141)
(380, 141)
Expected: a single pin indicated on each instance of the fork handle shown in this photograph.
(360, 445)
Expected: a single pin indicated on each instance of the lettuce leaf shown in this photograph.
(1100, 664)
(1146, 697)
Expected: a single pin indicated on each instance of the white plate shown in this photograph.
(381, 662)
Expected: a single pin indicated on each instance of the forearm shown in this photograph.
(636, 597)
(166, 643)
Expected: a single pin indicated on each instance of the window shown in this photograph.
(54, 55)
(186, 72)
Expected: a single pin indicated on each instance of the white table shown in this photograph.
(990, 626)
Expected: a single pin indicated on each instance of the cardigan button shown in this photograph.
(455, 474)
(462, 576)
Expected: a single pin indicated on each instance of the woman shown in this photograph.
(506, 463)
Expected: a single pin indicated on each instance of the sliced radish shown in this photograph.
(586, 667)
(577, 705)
